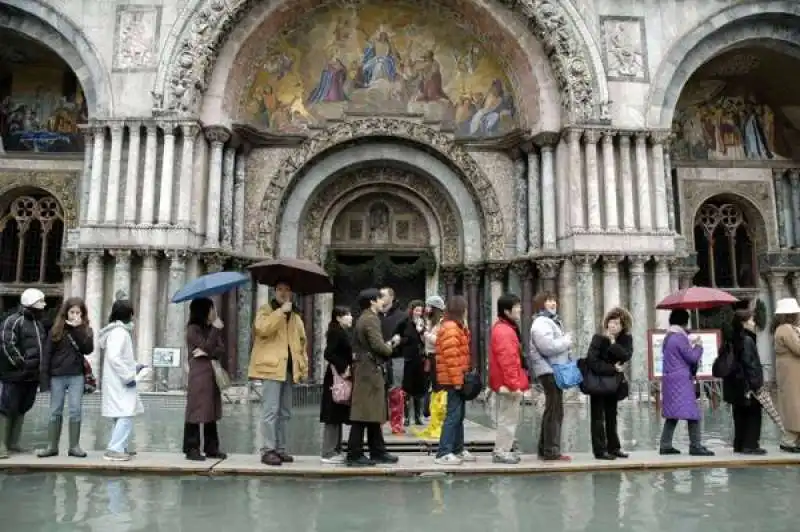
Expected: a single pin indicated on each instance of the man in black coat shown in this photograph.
(22, 340)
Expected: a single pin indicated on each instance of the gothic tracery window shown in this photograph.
(724, 245)
(31, 232)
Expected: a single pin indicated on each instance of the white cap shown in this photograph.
(435, 302)
(787, 306)
(32, 298)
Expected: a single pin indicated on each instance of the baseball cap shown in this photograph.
(435, 302)
(32, 298)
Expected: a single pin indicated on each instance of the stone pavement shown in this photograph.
(409, 465)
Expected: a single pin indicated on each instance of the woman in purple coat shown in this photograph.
(681, 358)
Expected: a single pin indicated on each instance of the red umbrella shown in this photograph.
(696, 298)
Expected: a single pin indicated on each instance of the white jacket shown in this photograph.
(119, 368)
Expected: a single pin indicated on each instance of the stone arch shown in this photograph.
(63, 187)
(43, 23)
(776, 21)
(472, 192)
(756, 211)
(340, 191)
(193, 46)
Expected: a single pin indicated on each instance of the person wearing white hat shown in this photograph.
(22, 339)
(787, 370)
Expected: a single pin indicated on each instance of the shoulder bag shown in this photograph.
(341, 389)
(89, 380)
(566, 375)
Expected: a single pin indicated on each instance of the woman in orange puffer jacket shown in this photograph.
(452, 362)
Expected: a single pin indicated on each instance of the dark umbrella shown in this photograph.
(303, 276)
(210, 285)
(696, 298)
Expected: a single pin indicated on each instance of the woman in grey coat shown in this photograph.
(549, 345)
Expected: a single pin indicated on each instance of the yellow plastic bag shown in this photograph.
(438, 410)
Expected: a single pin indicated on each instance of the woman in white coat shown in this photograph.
(120, 397)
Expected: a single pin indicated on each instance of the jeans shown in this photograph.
(509, 409)
(69, 388)
(276, 402)
(121, 434)
(669, 430)
(550, 435)
(452, 438)
(603, 416)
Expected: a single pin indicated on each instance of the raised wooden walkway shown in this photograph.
(409, 465)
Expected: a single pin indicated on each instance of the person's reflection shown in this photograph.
(605, 501)
(65, 491)
(503, 490)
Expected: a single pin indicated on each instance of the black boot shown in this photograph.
(417, 401)
(53, 437)
(5, 427)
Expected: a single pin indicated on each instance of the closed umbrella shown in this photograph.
(696, 298)
(305, 277)
(210, 285)
(763, 397)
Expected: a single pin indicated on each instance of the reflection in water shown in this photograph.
(682, 501)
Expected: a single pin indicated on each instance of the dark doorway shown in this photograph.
(355, 272)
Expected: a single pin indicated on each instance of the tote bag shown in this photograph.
(341, 389)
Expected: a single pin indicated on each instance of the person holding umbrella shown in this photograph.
(278, 360)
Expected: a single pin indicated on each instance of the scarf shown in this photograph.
(553, 316)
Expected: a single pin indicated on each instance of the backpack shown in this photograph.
(725, 363)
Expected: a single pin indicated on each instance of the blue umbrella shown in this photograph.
(210, 285)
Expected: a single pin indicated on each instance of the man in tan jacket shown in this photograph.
(278, 360)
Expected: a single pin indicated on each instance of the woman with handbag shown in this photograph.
(336, 385)
(411, 349)
(204, 340)
(63, 373)
(604, 381)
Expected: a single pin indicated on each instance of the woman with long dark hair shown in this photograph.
(339, 355)
(411, 349)
(62, 371)
(204, 340)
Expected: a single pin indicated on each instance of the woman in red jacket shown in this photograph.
(507, 376)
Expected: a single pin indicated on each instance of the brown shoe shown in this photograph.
(271, 458)
(285, 457)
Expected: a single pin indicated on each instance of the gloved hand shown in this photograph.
(131, 384)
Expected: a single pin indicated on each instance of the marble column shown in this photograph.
(167, 174)
(567, 304)
(533, 197)
(794, 180)
(149, 177)
(661, 289)
(308, 323)
(94, 300)
(524, 270)
(527, 236)
(638, 308)
(96, 184)
(657, 139)
(497, 276)
(114, 172)
(643, 183)
(781, 206)
(626, 176)
(86, 176)
(584, 284)
(549, 218)
(686, 277)
(176, 315)
(78, 288)
(132, 173)
(548, 275)
(238, 202)
(610, 182)
(244, 305)
(668, 185)
(122, 273)
(66, 266)
(590, 138)
(472, 280)
(577, 217)
(611, 291)
(228, 166)
(450, 278)
(777, 286)
(189, 136)
(217, 136)
(147, 315)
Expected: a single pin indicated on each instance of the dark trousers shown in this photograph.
(191, 438)
(603, 416)
(17, 398)
(746, 426)
(375, 442)
(550, 435)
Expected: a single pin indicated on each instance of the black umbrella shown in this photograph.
(303, 276)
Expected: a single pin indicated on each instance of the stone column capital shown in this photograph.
(637, 263)
(189, 129)
(215, 262)
(546, 140)
(641, 137)
(624, 138)
(497, 271)
(573, 134)
(151, 128)
(472, 275)
(148, 254)
(591, 136)
(777, 275)
(548, 268)
(121, 254)
(449, 274)
(217, 134)
(664, 262)
(175, 255)
(523, 268)
(794, 176)
(584, 263)
(133, 126)
(660, 136)
(117, 127)
(611, 263)
(94, 257)
(168, 127)
(777, 174)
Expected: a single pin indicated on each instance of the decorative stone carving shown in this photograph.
(451, 239)
(584, 263)
(472, 276)
(215, 262)
(625, 47)
(136, 37)
(217, 134)
(497, 271)
(192, 60)
(63, 186)
(523, 268)
(480, 187)
(548, 268)
(611, 263)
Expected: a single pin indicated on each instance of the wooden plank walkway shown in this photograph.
(477, 438)
(409, 465)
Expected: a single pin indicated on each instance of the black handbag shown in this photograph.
(472, 386)
(594, 384)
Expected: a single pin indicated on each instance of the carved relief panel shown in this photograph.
(625, 48)
(376, 220)
(136, 37)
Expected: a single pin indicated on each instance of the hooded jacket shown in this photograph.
(119, 370)
(22, 340)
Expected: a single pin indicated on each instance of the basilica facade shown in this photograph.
(609, 152)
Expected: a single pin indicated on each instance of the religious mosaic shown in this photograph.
(391, 58)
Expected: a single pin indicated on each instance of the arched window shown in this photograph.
(724, 244)
(31, 232)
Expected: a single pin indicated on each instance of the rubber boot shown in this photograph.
(53, 437)
(75, 440)
(5, 427)
(15, 433)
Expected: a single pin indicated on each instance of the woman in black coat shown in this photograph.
(747, 376)
(412, 349)
(339, 355)
(607, 354)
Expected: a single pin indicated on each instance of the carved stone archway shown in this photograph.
(63, 186)
(192, 48)
(480, 188)
(319, 210)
